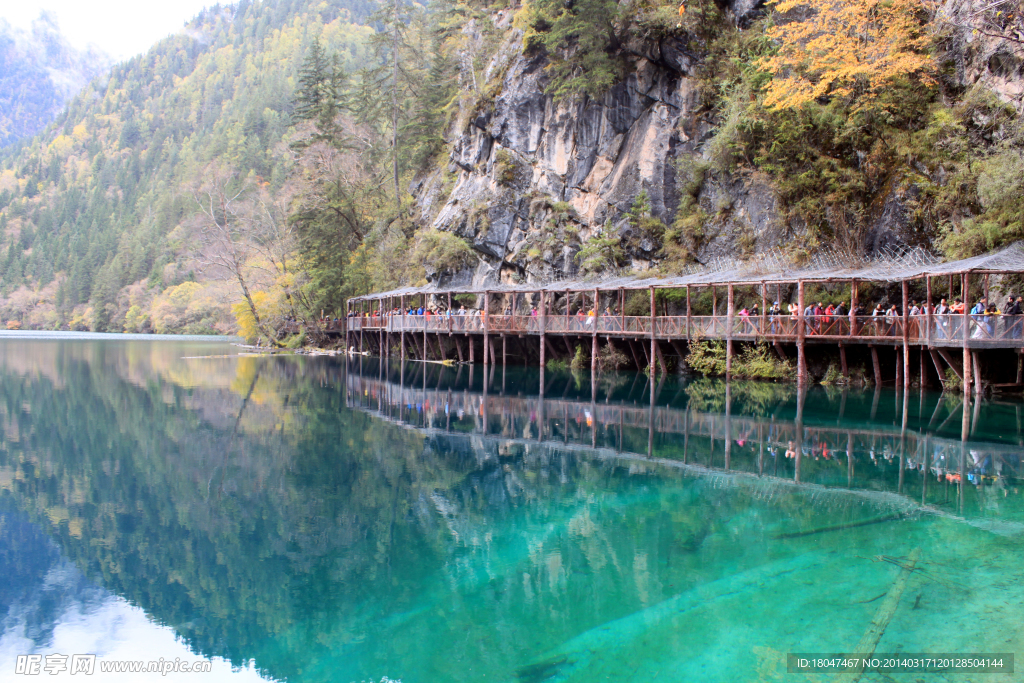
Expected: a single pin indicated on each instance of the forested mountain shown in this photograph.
(39, 72)
(278, 156)
(88, 205)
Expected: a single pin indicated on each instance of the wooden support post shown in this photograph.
(543, 337)
(622, 309)
(652, 361)
(504, 350)
(801, 333)
(661, 359)
(965, 280)
(952, 363)
(593, 338)
(688, 314)
(632, 351)
(928, 311)
(938, 366)
(679, 350)
(899, 370)
(842, 361)
(729, 315)
(362, 324)
(877, 365)
(853, 307)
(401, 322)
(493, 363)
(550, 347)
(906, 335)
(458, 347)
(922, 373)
(450, 311)
(979, 388)
(761, 324)
(487, 337)
(469, 338)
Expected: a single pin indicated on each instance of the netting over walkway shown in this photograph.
(771, 268)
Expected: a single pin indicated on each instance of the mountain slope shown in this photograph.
(88, 205)
(39, 72)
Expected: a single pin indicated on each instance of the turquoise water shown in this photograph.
(319, 519)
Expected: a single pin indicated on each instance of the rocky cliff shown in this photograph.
(530, 180)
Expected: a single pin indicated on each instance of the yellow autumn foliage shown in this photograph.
(846, 49)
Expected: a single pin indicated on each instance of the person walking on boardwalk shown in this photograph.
(1012, 310)
(942, 311)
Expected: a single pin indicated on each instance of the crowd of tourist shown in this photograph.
(991, 321)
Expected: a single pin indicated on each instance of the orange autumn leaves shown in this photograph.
(850, 49)
(845, 49)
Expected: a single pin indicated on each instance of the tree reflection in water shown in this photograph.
(337, 520)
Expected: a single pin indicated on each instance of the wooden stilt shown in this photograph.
(593, 338)
(965, 280)
(955, 364)
(979, 387)
(842, 361)
(729, 318)
(543, 326)
(801, 333)
(906, 336)
(877, 365)
(632, 351)
(487, 338)
(653, 321)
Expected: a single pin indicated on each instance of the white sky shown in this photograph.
(121, 28)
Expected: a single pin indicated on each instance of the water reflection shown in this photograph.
(331, 520)
(828, 437)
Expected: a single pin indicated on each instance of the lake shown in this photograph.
(307, 519)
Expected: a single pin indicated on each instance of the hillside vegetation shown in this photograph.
(277, 157)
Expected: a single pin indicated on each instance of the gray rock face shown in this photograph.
(526, 158)
(979, 57)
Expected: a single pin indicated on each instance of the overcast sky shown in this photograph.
(121, 28)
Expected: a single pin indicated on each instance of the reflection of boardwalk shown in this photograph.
(893, 460)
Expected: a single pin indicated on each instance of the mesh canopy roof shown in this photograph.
(770, 268)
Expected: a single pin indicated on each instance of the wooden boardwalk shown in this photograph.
(379, 323)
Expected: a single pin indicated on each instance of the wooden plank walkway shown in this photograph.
(382, 320)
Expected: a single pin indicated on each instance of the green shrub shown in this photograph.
(755, 361)
(953, 383)
(505, 167)
(610, 358)
(580, 361)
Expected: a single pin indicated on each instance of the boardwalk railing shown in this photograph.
(935, 330)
